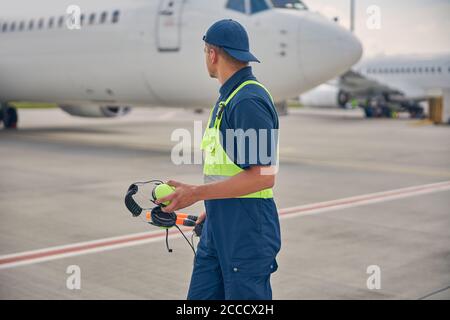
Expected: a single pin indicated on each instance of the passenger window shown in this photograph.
(258, 5)
(115, 17)
(236, 5)
(12, 28)
(51, 22)
(21, 26)
(31, 25)
(103, 17)
(82, 19)
(60, 21)
(40, 23)
(92, 18)
(5, 27)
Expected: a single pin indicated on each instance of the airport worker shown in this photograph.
(237, 250)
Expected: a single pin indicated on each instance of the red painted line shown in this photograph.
(282, 212)
(44, 254)
(359, 199)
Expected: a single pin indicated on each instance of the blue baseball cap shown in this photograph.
(232, 37)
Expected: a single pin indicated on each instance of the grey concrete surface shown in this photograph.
(62, 181)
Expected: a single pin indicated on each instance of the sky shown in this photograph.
(406, 26)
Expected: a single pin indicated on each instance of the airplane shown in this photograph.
(404, 80)
(143, 53)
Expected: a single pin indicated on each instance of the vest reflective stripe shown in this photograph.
(217, 165)
(213, 178)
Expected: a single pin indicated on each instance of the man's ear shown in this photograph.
(214, 56)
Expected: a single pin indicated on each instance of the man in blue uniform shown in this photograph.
(241, 236)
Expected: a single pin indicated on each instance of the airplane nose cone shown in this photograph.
(326, 49)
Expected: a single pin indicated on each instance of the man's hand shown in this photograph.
(256, 178)
(184, 196)
(201, 217)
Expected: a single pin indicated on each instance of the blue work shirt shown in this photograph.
(251, 108)
(239, 229)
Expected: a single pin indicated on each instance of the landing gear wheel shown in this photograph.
(369, 112)
(9, 117)
(386, 112)
(343, 98)
(282, 108)
(416, 113)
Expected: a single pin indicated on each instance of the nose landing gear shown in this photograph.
(9, 116)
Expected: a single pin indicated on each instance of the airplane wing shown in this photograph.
(359, 85)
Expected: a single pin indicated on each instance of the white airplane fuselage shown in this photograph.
(413, 78)
(416, 76)
(154, 54)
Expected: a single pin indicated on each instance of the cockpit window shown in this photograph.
(289, 4)
(237, 5)
(258, 5)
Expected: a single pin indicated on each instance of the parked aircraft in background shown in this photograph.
(404, 81)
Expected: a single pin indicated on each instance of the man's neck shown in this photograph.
(227, 73)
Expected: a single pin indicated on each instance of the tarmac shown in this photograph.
(354, 194)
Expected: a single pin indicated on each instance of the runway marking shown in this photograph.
(81, 248)
(376, 167)
(106, 244)
(364, 199)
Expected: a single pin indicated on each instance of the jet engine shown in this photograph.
(95, 111)
(325, 95)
